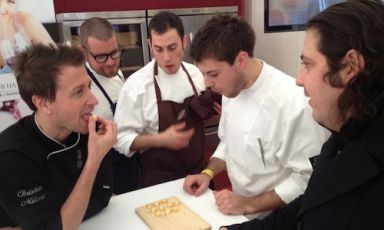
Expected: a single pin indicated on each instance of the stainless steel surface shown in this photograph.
(194, 11)
(108, 14)
(114, 21)
(193, 19)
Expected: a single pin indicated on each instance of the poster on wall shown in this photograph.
(19, 28)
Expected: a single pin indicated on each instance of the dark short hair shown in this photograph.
(357, 25)
(222, 38)
(37, 67)
(163, 21)
(95, 27)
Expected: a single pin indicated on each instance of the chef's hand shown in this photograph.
(230, 203)
(196, 184)
(217, 108)
(176, 137)
(101, 139)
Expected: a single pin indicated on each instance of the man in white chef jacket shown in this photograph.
(153, 112)
(102, 53)
(268, 138)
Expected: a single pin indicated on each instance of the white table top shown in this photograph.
(120, 213)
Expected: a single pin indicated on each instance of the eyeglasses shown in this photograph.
(101, 58)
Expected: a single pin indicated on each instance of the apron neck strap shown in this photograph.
(157, 88)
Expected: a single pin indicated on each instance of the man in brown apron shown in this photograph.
(162, 164)
(161, 108)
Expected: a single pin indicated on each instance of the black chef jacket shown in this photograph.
(37, 174)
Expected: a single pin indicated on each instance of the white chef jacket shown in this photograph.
(275, 112)
(136, 111)
(111, 86)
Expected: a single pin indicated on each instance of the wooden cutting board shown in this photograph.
(171, 214)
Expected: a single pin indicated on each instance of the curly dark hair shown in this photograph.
(357, 25)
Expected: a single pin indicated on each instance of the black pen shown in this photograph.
(261, 152)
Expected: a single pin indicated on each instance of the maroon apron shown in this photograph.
(161, 164)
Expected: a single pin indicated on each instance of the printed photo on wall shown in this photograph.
(18, 29)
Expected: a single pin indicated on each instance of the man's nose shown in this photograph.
(208, 83)
(167, 55)
(300, 79)
(92, 99)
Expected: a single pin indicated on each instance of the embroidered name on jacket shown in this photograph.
(30, 196)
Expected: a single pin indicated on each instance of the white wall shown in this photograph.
(281, 50)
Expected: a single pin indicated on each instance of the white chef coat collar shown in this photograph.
(162, 73)
(260, 79)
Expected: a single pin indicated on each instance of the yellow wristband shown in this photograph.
(208, 172)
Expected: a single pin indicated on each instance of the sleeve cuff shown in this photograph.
(220, 151)
(123, 144)
(288, 190)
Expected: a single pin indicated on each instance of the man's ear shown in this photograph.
(242, 59)
(185, 40)
(353, 64)
(82, 48)
(149, 44)
(42, 104)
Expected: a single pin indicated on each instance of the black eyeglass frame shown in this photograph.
(102, 58)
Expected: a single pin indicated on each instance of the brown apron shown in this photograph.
(160, 164)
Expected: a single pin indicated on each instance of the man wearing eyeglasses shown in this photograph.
(101, 50)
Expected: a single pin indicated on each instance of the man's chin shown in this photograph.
(111, 74)
(231, 94)
(84, 130)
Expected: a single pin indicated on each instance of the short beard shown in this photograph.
(238, 87)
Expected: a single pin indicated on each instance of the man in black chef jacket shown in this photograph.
(54, 171)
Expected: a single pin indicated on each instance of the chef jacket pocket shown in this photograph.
(259, 154)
